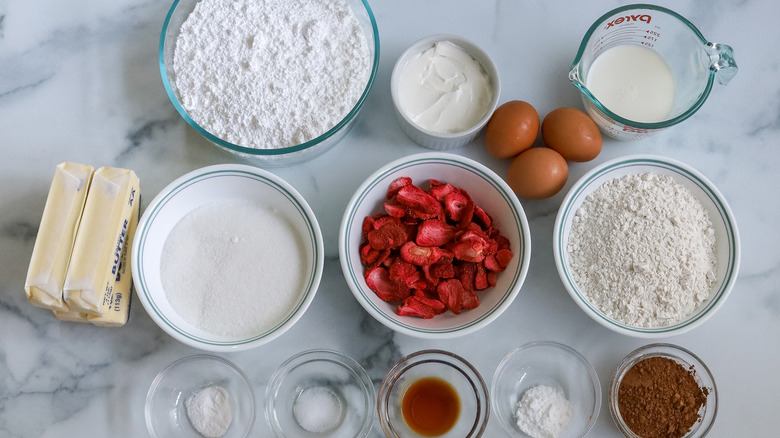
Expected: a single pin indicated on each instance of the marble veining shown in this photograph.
(79, 81)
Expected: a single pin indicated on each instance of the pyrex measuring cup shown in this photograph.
(694, 62)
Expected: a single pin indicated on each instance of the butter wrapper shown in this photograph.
(97, 251)
(116, 305)
(56, 236)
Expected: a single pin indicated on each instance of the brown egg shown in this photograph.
(572, 133)
(537, 173)
(512, 128)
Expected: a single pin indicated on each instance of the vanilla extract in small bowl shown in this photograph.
(431, 406)
(433, 393)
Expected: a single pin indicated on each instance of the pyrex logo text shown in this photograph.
(646, 18)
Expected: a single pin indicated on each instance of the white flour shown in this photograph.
(543, 412)
(233, 268)
(642, 248)
(270, 73)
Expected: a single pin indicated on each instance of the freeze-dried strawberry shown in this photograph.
(419, 306)
(492, 278)
(502, 241)
(473, 245)
(458, 206)
(371, 257)
(504, 256)
(378, 280)
(420, 255)
(392, 234)
(443, 268)
(434, 232)
(482, 218)
(395, 210)
(450, 292)
(420, 204)
(469, 250)
(396, 185)
(381, 220)
(480, 280)
(468, 299)
(440, 190)
(368, 225)
(491, 263)
(466, 272)
(434, 303)
(406, 272)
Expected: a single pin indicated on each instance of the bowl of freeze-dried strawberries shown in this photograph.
(434, 245)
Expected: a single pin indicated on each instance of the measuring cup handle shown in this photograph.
(722, 62)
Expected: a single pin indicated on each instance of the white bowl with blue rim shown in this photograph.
(718, 210)
(202, 187)
(489, 191)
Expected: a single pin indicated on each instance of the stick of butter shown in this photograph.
(116, 306)
(101, 236)
(56, 235)
(71, 315)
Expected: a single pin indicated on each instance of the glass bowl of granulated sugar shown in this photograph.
(275, 82)
(646, 246)
(322, 393)
(227, 258)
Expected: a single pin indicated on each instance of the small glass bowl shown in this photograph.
(178, 14)
(328, 372)
(550, 364)
(465, 379)
(685, 358)
(165, 411)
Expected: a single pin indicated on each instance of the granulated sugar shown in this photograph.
(642, 249)
(233, 268)
(270, 74)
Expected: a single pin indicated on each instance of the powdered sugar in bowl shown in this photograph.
(276, 82)
(227, 257)
(673, 271)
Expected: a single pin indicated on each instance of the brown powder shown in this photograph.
(659, 398)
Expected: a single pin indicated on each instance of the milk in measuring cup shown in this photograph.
(634, 82)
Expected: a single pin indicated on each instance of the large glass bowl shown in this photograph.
(179, 12)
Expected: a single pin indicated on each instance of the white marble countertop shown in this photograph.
(79, 81)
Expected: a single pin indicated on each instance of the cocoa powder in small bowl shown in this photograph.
(663, 391)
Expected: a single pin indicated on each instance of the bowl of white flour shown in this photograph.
(277, 82)
(227, 257)
(646, 246)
